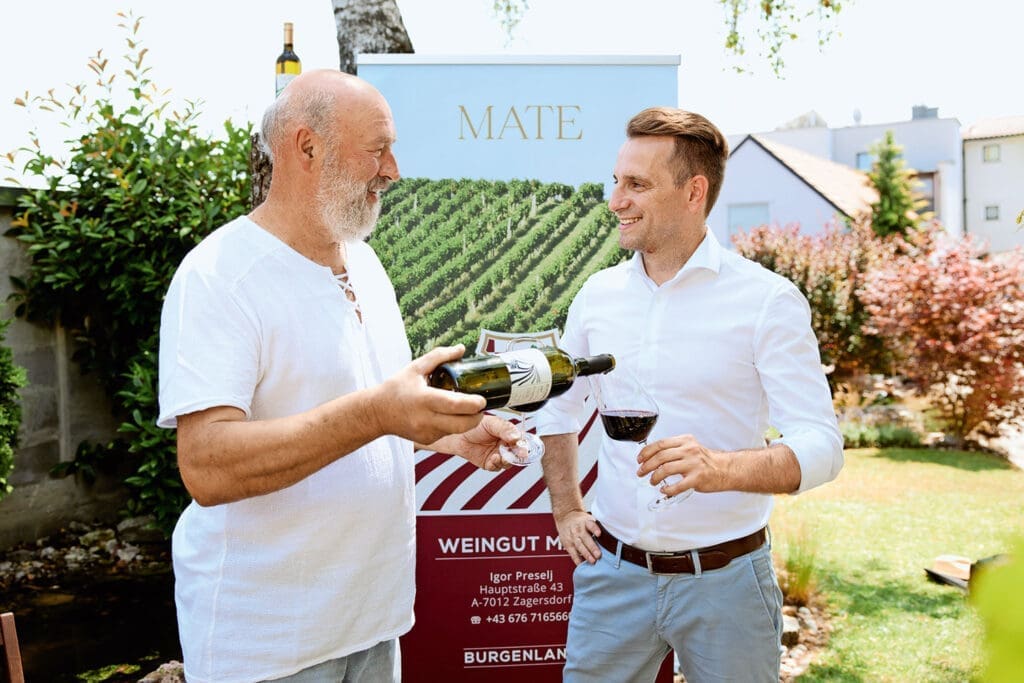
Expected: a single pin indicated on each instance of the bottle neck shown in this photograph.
(594, 365)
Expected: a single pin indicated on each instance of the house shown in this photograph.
(771, 183)
(931, 147)
(993, 151)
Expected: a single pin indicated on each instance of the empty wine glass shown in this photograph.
(629, 413)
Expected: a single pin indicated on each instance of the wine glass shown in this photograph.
(629, 413)
(529, 449)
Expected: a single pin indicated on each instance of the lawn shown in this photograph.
(875, 528)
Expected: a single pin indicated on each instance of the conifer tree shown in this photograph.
(896, 208)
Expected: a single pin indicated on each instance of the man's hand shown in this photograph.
(702, 469)
(576, 531)
(772, 469)
(480, 445)
(408, 407)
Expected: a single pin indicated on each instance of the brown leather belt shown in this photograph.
(711, 557)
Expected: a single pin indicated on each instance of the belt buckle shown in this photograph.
(648, 555)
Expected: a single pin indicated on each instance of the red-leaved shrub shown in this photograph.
(956, 324)
(829, 268)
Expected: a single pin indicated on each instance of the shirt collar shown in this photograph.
(707, 256)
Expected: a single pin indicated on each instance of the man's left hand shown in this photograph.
(702, 469)
(480, 444)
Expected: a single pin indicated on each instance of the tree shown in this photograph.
(896, 208)
(775, 23)
(140, 187)
(368, 26)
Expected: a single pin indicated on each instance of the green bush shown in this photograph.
(897, 436)
(858, 435)
(861, 435)
(12, 378)
(138, 190)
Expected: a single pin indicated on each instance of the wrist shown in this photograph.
(376, 409)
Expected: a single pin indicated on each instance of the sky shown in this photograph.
(886, 57)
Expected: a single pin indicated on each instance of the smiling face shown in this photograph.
(653, 213)
(358, 166)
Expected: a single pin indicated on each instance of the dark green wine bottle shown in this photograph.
(523, 379)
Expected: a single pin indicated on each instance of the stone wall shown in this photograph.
(60, 409)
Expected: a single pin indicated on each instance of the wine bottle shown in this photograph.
(288, 64)
(523, 379)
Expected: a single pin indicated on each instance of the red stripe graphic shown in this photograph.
(444, 490)
(589, 480)
(478, 501)
(533, 493)
(430, 463)
(437, 498)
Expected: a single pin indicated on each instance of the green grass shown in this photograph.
(876, 528)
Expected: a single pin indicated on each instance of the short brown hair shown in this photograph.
(701, 149)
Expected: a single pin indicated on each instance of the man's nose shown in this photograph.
(389, 166)
(616, 201)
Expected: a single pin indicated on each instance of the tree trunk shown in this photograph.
(371, 26)
(259, 171)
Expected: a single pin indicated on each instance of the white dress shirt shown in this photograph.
(726, 349)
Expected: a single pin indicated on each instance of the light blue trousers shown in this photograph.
(381, 663)
(724, 624)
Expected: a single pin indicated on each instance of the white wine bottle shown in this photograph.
(288, 64)
(523, 379)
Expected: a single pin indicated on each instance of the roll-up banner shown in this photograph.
(494, 150)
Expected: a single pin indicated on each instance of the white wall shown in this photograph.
(995, 184)
(752, 175)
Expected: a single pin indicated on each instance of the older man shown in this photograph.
(285, 367)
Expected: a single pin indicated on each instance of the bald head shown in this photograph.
(323, 100)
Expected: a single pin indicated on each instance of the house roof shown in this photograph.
(845, 188)
(1001, 127)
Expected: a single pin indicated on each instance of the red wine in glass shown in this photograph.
(629, 425)
(629, 413)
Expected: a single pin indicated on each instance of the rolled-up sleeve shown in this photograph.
(799, 400)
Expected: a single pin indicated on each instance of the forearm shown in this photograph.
(225, 458)
(773, 469)
(561, 473)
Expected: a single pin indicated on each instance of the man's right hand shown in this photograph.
(576, 531)
(408, 407)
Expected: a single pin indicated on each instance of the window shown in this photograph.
(991, 213)
(924, 188)
(990, 153)
(865, 161)
(743, 217)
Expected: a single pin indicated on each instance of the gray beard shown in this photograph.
(344, 209)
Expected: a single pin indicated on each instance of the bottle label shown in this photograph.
(531, 376)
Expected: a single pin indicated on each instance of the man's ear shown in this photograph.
(305, 142)
(698, 194)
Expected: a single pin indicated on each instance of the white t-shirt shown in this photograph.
(270, 585)
(726, 350)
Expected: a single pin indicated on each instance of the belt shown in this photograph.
(711, 557)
